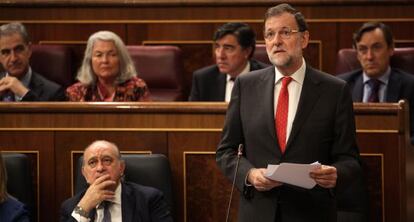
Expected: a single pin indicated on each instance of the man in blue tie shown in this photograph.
(377, 81)
(108, 198)
(18, 82)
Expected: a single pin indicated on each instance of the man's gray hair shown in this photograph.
(13, 28)
(110, 144)
(126, 67)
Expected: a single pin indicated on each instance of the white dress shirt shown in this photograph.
(294, 89)
(115, 209)
(230, 83)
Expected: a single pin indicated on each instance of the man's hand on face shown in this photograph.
(97, 192)
(13, 84)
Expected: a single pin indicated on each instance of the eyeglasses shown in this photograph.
(284, 33)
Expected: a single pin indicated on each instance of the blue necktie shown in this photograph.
(107, 213)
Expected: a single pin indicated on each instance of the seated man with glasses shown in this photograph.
(19, 82)
(377, 81)
(288, 113)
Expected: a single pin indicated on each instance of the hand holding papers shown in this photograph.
(293, 173)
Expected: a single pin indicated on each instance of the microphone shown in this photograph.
(239, 154)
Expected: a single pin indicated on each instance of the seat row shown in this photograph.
(162, 67)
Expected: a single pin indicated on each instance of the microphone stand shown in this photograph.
(239, 154)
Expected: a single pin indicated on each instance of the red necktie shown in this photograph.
(282, 111)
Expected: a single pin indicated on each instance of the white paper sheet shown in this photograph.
(293, 173)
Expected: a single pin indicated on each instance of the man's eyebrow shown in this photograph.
(91, 158)
(229, 45)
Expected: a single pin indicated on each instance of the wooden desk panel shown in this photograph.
(188, 133)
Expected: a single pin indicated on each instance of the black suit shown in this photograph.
(400, 86)
(41, 89)
(139, 204)
(210, 85)
(323, 130)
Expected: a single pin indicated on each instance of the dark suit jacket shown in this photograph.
(12, 210)
(210, 85)
(400, 86)
(42, 89)
(139, 204)
(323, 130)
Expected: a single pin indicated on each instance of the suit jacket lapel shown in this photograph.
(2, 74)
(221, 86)
(394, 86)
(267, 86)
(128, 205)
(358, 90)
(35, 85)
(309, 95)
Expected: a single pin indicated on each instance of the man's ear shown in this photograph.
(29, 49)
(84, 174)
(391, 50)
(122, 168)
(248, 52)
(305, 39)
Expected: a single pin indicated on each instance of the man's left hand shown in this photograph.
(13, 84)
(325, 176)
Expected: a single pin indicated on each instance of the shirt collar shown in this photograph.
(117, 198)
(383, 78)
(118, 192)
(297, 76)
(245, 70)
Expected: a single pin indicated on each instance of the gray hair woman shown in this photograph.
(11, 210)
(107, 72)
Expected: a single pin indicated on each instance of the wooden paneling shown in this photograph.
(182, 130)
(188, 133)
(195, 9)
(39, 146)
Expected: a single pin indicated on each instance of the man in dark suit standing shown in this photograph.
(19, 82)
(108, 198)
(289, 112)
(377, 81)
(234, 45)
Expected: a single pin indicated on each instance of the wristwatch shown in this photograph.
(79, 210)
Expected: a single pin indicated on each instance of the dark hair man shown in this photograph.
(234, 45)
(377, 81)
(289, 112)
